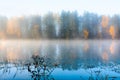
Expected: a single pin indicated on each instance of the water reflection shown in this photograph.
(72, 54)
(41, 68)
(40, 58)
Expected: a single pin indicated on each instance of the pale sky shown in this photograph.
(11, 8)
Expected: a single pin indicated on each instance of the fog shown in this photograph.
(64, 25)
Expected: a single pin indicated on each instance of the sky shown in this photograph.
(12, 8)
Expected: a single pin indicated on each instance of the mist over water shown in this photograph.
(59, 40)
(72, 57)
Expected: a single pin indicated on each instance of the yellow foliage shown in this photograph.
(86, 33)
(112, 31)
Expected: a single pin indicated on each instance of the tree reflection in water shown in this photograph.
(70, 56)
(40, 68)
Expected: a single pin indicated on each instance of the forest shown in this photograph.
(64, 25)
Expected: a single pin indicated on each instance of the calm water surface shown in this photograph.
(60, 60)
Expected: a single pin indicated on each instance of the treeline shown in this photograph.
(64, 25)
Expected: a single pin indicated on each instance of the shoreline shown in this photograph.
(56, 41)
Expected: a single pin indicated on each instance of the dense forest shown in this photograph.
(64, 25)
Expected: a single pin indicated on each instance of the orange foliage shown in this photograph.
(104, 21)
(10, 26)
(112, 31)
(13, 28)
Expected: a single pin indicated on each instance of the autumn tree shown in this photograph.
(69, 25)
(115, 21)
(13, 29)
(36, 27)
(90, 24)
(49, 25)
